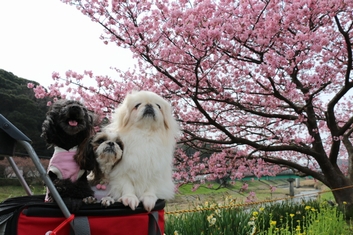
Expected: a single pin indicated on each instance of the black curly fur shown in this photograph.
(90, 153)
(57, 132)
(72, 193)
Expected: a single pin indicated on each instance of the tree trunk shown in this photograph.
(342, 189)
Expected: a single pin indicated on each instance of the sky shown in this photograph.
(39, 37)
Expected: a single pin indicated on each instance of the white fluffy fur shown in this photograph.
(145, 171)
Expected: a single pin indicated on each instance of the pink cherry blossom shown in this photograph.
(255, 85)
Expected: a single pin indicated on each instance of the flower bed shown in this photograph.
(285, 218)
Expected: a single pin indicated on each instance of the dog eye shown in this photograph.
(158, 106)
(120, 144)
(136, 106)
(101, 140)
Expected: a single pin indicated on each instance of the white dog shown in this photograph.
(148, 131)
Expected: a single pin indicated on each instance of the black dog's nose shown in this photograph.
(110, 144)
(74, 108)
(75, 111)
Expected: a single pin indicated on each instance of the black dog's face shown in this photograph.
(67, 124)
(72, 117)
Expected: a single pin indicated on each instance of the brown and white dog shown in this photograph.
(107, 148)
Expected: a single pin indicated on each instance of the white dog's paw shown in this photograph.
(149, 201)
(107, 201)
(130, 200)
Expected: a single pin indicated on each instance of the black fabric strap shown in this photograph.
(5, 218)
(153, 226)
(80, 226)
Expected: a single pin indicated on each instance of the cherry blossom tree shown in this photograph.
(256, 84)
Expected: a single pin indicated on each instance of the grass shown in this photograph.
(262, 188)
(186, 198)
(15, 191)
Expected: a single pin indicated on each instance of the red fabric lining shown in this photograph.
(136, 224)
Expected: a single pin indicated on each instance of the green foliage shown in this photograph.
(8, 191)
(21, 108)
(186, 189)
(310, 218)
(285, 218)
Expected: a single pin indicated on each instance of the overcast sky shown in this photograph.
(42, 36)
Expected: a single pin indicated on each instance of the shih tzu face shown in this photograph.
(67, 124)
(108, 149)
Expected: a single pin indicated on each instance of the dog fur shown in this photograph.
(68, 127)
(148, 130)
(107, 148)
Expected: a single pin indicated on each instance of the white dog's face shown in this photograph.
(145, 110)
(109, 150)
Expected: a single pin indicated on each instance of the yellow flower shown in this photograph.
(176, 232)
(255, 213)
(209, 217)
(218, 212)
(344, 202)
(307, 207)
(273, 223)
(206, 203)
(211, 220)
(261, 209)
(291, 215)
(254, 230)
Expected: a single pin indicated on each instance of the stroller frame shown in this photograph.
(10, 135)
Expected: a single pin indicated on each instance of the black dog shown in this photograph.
(68, 127)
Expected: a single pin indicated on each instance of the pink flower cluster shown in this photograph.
(251, 82)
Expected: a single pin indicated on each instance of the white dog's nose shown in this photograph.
(149, 111)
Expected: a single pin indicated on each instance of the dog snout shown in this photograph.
(75, 112)
(148, 110)
(111, 144)
(109, 147)
(75, 109)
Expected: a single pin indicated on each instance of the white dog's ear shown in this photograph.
(169, 122)
(125, 117)
(167, 117)
(122, 116)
